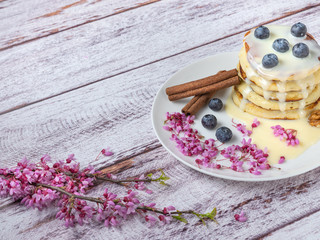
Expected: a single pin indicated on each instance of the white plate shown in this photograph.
(203, 68)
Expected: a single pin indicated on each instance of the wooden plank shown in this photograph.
(23, 21)
(80, 116)
(97, 51)
(267, 204)
(308, 227)
(114, 112)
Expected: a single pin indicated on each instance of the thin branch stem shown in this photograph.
(161, 212)
(122, 180)
(113, 180)
(58, 189)
(97, 200)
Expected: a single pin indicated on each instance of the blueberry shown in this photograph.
(215, 104)
(262, 32)
(209, 121)
(224, 134)
(280, 45)
(299, 30)
(300, 50)
(270, 60)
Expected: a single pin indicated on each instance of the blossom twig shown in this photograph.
(98, 200)
(59, 189)
(63, 184)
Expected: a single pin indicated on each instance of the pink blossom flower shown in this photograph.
(167, 128)
(131, 207)
(131, 197)
(4, 190)
(83, 212)
(281, 160)
(248, 153)
(188, 143)
(164, 219)
(149, 191)
(107, 222)
(240, 217)
(106, 152)
(141, 185)
(171, 208)
(255, 123)
(255, 171)
(69, 220)
(113, 221)
(151, 205)
(242, 128)
(120, 210)
(109, 196)
(287, 135)
(150, 220)
(46, 158)
(62, 213)
(70, 158)
(90, 169)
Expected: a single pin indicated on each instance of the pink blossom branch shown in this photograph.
(98, 200)
(40, 185)
(121, 180)
(97, 177)
(117, 181)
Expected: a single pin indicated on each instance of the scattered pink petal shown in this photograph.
(287, 135)
(106, 152)
(255, 123)
(281, 160)
(240, 217)
(150, 220)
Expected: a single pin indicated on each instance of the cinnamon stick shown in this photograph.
(220, 76)
(206, 89)
(196, 103)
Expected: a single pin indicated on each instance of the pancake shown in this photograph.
(287, 96)
(255, 110)
(260, 101)
(286, 84)
(275, 85)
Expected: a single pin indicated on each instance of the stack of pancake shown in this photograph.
(289, 90)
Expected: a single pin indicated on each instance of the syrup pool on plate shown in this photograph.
(263, 135)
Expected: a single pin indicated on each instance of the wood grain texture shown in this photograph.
(268, 205)
(305, 227)
(115, 112)
(102, 49)
(261, 201)
(27, 20)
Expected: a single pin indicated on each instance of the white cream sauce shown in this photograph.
(263, 134)
(288, 65)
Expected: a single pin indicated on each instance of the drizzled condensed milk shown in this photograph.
(289, 67)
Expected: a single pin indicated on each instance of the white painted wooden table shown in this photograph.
(76, 76)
